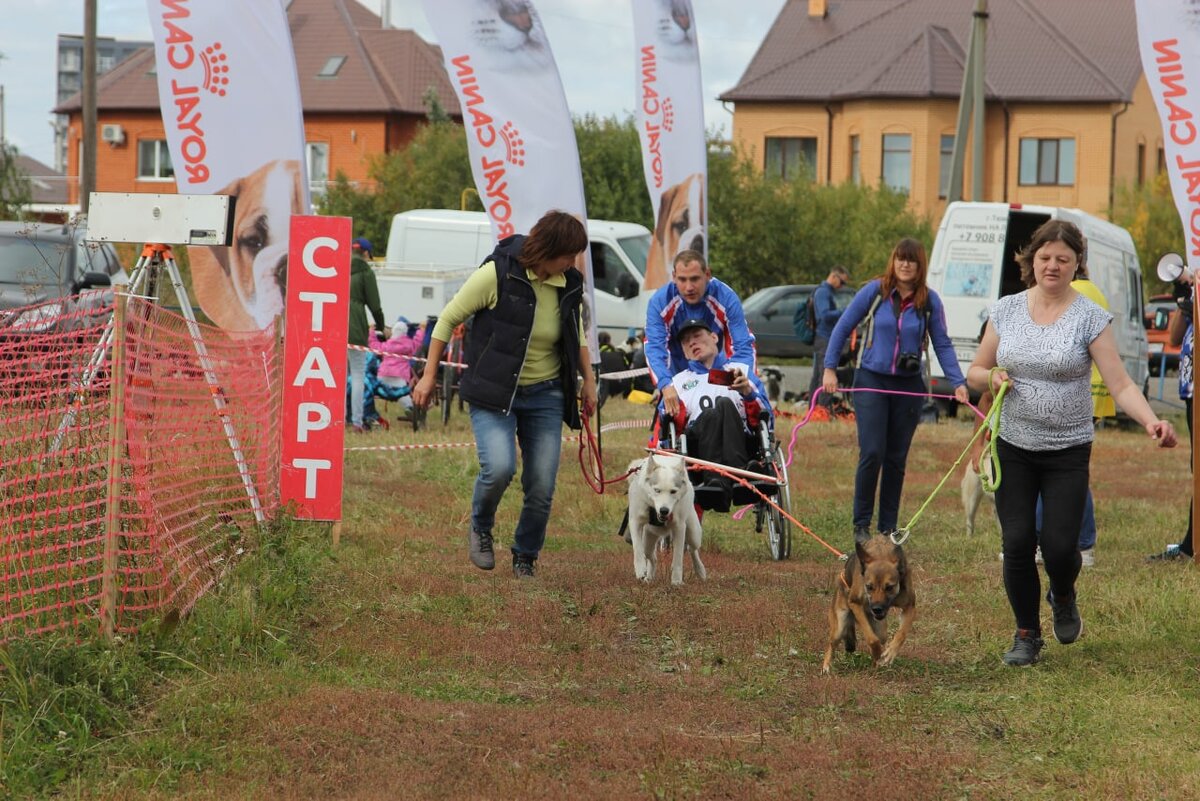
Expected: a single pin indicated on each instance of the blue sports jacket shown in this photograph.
(667, 312)
(893, 337)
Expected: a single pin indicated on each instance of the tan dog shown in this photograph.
(680, 226)
(241, 288)
(977, 469)
(874, 580)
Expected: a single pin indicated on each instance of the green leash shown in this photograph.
(991, 422)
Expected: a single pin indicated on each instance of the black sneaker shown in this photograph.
(1068, 625)
(1172, 553)
(862, 534)
(1026, 649)
(524, 567)
(481, 553)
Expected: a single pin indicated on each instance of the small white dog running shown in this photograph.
(661, 505)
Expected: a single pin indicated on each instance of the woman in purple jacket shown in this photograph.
(903, 315)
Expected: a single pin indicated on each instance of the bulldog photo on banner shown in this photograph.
(670, 120)
(519, 132)
(230, 99)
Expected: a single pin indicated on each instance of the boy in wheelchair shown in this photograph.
(723, 406)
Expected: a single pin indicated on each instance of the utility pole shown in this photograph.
(971, 100)
(87, 171)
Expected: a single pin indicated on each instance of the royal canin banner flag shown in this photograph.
(1169, 37)
(519, 132)
(230, 100)
(670, 120)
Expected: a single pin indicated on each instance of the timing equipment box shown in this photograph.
(160, 219)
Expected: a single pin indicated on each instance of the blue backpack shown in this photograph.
(804, 321)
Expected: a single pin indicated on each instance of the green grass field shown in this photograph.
(391, 668)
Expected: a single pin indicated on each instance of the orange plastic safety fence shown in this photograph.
(181, 484)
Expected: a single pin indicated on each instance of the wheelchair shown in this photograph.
(762, 446)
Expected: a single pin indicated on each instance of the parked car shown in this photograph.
(769, 314)
(1163, 355)
(40, 263)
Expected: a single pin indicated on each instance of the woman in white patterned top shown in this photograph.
(1043, 341)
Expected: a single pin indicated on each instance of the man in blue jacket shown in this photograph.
(693, 294)
(826, 312)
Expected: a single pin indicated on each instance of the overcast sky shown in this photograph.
(597, 70)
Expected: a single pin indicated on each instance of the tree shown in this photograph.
(1149, 213)
(762, 230)
(16, 190)
(765, 231)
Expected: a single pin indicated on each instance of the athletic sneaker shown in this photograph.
(1170, 554)
(524, 567)
(861, 534)
(1026, 649)
(481, 553)
(1037, 555)
(1088, 557)
(1068, 625)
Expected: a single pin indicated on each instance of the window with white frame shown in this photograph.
(317, 155)
(792, 157)
(1047, 162)
(154, 160)
(897, 162)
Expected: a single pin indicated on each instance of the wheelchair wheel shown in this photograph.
(778, 527)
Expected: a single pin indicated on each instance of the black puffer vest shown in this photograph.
(499, 337)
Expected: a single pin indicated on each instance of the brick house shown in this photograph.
(867, 91)
(362, 88)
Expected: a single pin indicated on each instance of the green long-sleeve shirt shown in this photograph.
(364, 295)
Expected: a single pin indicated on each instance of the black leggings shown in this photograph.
(1061, 478)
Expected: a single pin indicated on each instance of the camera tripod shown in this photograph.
(143, 282)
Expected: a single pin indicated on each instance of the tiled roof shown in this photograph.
(48, 186)
(386, 71)
(1037, 50)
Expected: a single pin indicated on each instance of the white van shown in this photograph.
(431, 252)
(974, 263)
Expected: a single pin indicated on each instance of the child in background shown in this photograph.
(395, 370)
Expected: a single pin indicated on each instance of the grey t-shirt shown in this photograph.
(1049, 404)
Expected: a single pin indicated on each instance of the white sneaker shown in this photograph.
(1088, 556)
(1037, 555)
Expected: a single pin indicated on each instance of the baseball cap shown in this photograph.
(688, 325)
(362, 243)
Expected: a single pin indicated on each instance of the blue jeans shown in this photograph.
(820, 345)
(1087, 529)
(536, 423)
(357, 361)
(886, 424)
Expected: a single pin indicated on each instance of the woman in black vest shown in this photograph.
(524, 355)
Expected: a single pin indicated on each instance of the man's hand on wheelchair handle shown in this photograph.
(670, 400)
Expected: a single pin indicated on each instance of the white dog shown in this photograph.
(973, 492)
(661, 505)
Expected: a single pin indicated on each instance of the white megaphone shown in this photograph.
(1171, 267)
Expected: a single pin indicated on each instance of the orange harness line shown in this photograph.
(736, 475)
